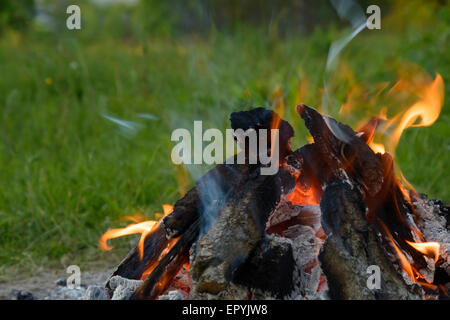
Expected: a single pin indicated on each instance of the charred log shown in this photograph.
(235, 233)
(352, 247)
(343, 150)
(159, 279)
(225, 178)
(270, 268)
(261, 118)
(391, 210)
(132, 266)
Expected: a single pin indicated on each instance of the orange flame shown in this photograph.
(166, 250)
(427, 248)
(427, 109)
(304, 197)
(377, 147)
(144, 228)
(422, 113)
(406, 265)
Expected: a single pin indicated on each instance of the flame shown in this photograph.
(166, 250)
(427, 248)
(427, 109)
(422, 113)
(304, 197)
(136, 218)
(144, 228)
(404, 262)
(377, 147)
(278, 107)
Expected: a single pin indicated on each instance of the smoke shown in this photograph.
(350, 11)
(129, 129)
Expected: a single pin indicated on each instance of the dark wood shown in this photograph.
(132, 266)
(159, 279)
(367, 131)
(269, 268)
(391, 208)
(235, 233)
(352, 246)
(342, 150)
(261, 118)
(185, 221)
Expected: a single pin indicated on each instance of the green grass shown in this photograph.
(67, 173)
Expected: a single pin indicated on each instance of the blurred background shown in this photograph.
(86, 115)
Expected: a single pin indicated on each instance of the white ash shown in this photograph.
(51, 285)
(305, 247)
(66, 293)
(172, 295)
(123, 288)
(117, 281)
(122, 293)
(285, 211)
(95, 293)
(433, 227)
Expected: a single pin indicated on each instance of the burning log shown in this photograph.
(235, 233)
(192, 210)
(433, 220)
(343, 151)
(273, 256)
(243, 234)
(352, 247)
(159, 279)
(391, 212)
(346, 156)
(260, 118)
(133, 266)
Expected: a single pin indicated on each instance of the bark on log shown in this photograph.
(269, 268)
(343, 151)
(352, 247)
(235, 233)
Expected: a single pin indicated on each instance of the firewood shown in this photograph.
(227, 179)
(272, 256)
(261, 118)
(159, 279)
(224, 178)
(132, 266)
(343, 151)
(353, 246)
(235, 233)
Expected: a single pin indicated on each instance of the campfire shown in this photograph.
(337, 221)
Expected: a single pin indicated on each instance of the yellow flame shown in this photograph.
(427, 109)
(377, 147)
(427, 248)
(144, 228)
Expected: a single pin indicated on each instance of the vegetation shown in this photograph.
(70, 169)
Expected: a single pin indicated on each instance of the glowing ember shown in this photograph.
(304, 197)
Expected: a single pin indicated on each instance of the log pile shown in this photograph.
(334, 209)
